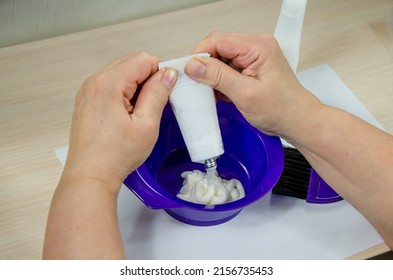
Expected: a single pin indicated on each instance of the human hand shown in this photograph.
(111, 136)
(253, 73)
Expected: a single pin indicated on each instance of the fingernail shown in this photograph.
(169, 77)
(195, 68)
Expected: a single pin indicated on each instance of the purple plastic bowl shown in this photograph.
(252, 157)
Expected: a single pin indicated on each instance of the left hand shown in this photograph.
(110, 136)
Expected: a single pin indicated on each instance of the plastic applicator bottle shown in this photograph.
(288, 30)
(195, 110)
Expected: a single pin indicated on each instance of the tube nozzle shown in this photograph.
(210, 163)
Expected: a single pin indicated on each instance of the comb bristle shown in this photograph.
(295, 177)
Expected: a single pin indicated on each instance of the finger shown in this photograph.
(220, 76)
(127, 105)
(128, 72)
(237, 49)
(141, 61)
(215, 42)
(155, 93)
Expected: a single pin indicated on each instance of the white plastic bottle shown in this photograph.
(195, 110)
(288, 30)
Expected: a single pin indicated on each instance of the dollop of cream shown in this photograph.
(196, 188)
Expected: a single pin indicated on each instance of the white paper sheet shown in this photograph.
(275, 227)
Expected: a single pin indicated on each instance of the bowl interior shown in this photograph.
(246, 158)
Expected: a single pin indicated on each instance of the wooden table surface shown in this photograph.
(38, 82)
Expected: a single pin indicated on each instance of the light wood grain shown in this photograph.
(371, 252)
(38, 81)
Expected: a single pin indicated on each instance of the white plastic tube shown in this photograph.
(195, 110)
(288, 30)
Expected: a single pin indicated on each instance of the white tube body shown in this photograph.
(288, 30)
(195, 110)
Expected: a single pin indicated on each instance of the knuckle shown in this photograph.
(218, 78)
(269, 40)
(159, 96)
(268, 36)
(141, 60)
(214, 34)
(99, 82)
(142, 55)
(93, 86)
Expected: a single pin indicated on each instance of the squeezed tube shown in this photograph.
(195, 110)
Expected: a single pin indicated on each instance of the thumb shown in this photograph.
(155, 93)
(218, 75)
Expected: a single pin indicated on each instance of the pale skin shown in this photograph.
(109, 138)
(352, 156)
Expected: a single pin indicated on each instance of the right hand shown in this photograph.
(253, 73)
